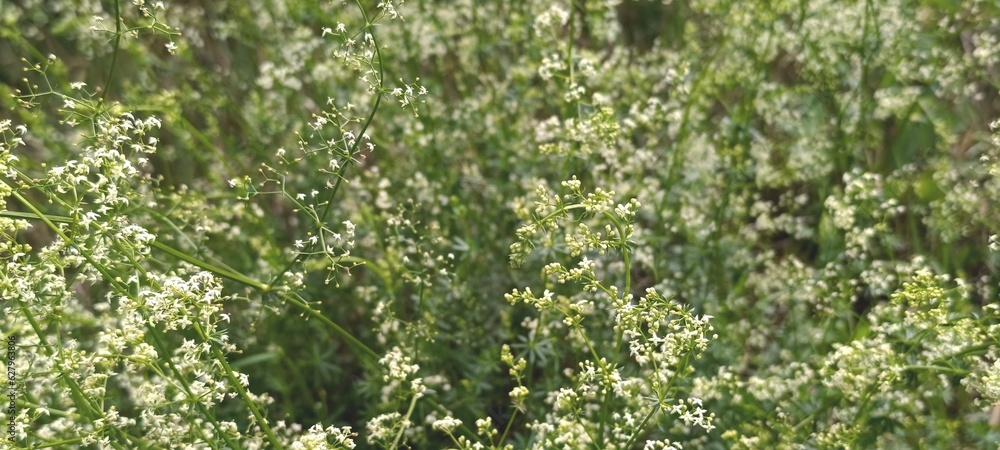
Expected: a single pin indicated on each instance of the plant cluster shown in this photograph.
(607, 224)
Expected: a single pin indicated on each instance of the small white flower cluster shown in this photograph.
(584, 273)
(595, 132)
(383, 428)
(661, 331)
(361, 57)
(664, 338)
(551, 65)
(962, 204)
(987, 382)
(662, 444)
(389, 9)
(550, 21)
(551, 209)
(408, 95)
(149, 19)
(398, 366)
(862, 211)
(446, 425)
(692, 413)
(329, 438)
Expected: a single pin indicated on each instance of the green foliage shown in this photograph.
(610, 225)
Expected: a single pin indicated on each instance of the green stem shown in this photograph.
(620, 337)
(406, 418)
(676, 158)
(161, 348)
(33, 216)
(353, 150)
(623, 241)
(933, 368)
(506, 430)
(642, 425)
(297, 301)
(219, 356)
(50, 220)
(224, 273)
(114, 52)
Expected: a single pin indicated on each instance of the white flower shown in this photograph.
(399, 367)
(447, 425)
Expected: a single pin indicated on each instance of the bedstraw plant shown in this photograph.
(603, 224)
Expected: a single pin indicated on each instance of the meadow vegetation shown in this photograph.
(585, 224)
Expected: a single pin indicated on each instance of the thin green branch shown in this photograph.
(353, 150)
(114, 52)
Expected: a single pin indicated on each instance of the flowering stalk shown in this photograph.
(157, 338)
(351, 152)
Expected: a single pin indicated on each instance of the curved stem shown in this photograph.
(297, 301)
(353, 150)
